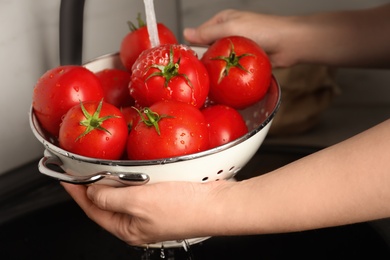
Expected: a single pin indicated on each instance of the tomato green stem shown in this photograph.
(93, 121)
(169, 71)
(231, 61)
(132, 26)
(152, 118)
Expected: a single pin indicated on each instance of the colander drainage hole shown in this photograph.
(220, 171)
(205, 178)
(231, 168)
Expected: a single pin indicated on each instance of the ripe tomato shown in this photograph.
(131, 116)
(225, 124)
(61, 88)
(115, 83)
(95, 129)
(239, 70)
(166, 72)
(137, 40)
(169, 128)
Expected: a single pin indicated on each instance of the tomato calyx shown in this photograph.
(133, 27)
(151, 118)
(169, 71)
(233, 60)
(93, 121)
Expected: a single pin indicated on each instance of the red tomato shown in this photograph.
(136, 41)
(239, 70)
(225, 124)
(61, 88)
(131, 116)
(169, 128)
(166, 72)
(94, 129)
(115, 83)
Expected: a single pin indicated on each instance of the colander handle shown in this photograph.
(122, 177)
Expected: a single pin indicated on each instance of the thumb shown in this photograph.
(109, 198)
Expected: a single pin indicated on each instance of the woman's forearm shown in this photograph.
(346, 183)
(344, 38)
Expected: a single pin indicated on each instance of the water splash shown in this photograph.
(151, 23)
(162, 251)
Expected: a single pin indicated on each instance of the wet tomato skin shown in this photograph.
(183, 130)
(130, 115)
(225, 124)
(115, 83)
(100, 144)
(187, 79)
(135, 42)
(59, 89)
(239, 70)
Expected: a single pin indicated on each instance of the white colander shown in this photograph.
(219, 163)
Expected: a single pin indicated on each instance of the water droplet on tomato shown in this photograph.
(169, 90)
(76, 88)
(107, 138)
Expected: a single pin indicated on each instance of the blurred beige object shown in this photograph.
(307, 90)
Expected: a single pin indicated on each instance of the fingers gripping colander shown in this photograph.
(219, 163)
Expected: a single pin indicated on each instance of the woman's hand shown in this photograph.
(150, 213)
(345, 38)
(345, 183)
(269, 31)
